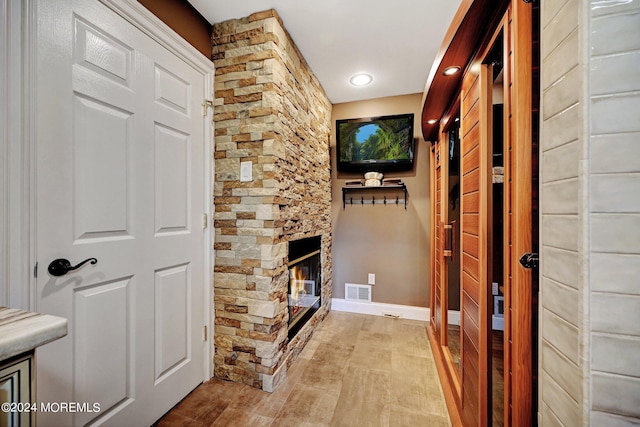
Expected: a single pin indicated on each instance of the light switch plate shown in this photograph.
(372, 279)
(246, 171)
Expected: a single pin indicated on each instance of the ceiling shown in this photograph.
(396, 41)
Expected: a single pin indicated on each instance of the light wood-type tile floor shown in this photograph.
(357, 370)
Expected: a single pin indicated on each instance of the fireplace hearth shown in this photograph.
(305, 284)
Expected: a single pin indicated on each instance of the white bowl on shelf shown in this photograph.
(373, 175)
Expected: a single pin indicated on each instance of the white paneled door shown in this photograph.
(120, 177)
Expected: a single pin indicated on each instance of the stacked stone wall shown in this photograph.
(270, 110)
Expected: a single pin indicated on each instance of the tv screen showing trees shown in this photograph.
(375, 144)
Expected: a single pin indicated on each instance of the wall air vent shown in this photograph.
(360, 293)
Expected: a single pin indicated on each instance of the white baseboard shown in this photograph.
(497, 323)
(381, 309)
(453, 317)
(390, 310)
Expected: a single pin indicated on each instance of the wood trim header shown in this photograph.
(460, 45)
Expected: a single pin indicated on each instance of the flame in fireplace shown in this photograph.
(296, 283)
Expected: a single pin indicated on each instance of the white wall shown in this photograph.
(613, 168)
(560, 150)
(389, 241)
(590, 213)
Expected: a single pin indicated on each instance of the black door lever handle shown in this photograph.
(529, 260)
(61, 266)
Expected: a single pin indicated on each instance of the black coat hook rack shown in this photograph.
(373, 200)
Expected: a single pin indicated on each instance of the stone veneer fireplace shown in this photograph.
(269, 109)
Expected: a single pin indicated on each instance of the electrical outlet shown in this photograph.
(246, 171)
(372, 279)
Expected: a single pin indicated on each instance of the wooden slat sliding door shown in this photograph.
(437, 240)
(441, 248)
(474, 206)
(469, 390)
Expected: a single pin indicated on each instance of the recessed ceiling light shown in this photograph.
(432, 121)
(450, 71)
(361, 79)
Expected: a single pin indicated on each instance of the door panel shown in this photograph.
(470, 221)
(172, 91)
(471, 286)
(93, 305)
(470, 98)
(471, 159)
(472, 202)
(120, 177)
(172, 166)
(173, 306)
(470, 241)
(102, 141)
(471, 179)
(473, 135)
(101, 53)
(470, 266)
(473, 246)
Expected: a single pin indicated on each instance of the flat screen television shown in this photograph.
(375, 144)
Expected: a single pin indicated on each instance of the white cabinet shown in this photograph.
(16, 376)
(20, 333)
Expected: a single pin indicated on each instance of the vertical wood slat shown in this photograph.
(443, 170)
(521, 216)
(439, 275)
(444, 270)
(438, 330)
(484, 259)
(435, 277)
(469, 142)
(507, 223)
(471, 244)
(474, 204)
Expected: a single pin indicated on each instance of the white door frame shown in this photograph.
(17, 147)
(16, 250)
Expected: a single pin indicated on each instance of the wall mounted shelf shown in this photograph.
(384, 200)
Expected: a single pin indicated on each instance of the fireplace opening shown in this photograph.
(305, 283)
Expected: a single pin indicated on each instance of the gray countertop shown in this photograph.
(22, 331)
